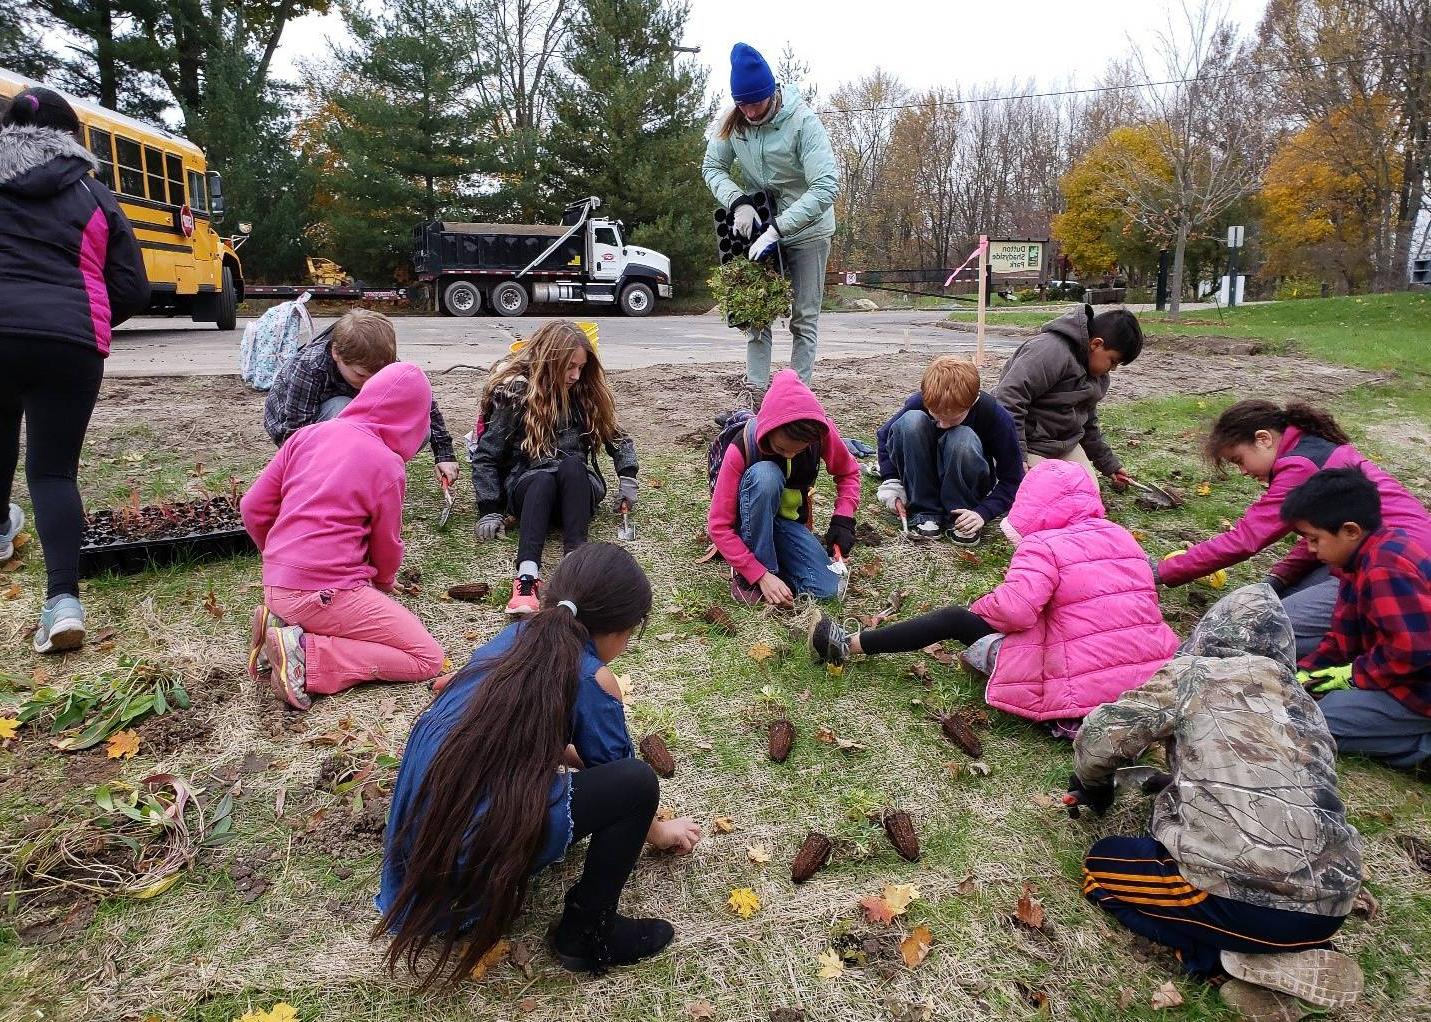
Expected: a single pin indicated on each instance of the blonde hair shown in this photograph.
(542, 363)
(950, 384)
(736, 121)
(365, 339)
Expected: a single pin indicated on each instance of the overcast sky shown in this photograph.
(924, 42)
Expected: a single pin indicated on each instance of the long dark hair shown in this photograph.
(503, 751)
(1240, 423)
(40, 107)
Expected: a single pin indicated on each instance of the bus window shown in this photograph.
(174, 171)
(198, 193)
(154, 167)
(131, 169)
(102, 146)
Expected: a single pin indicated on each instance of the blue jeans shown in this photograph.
(942, 470)
(331, 408)
(787, 548)
(1376, 724)
(1309, 605)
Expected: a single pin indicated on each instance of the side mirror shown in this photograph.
(216, 197)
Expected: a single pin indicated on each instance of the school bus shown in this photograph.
(164, 186)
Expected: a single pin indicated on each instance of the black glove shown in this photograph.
(1098, 797)
(1155, 784)
(841, 533)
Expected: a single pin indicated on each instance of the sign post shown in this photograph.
(983, 299)
(1234, 242)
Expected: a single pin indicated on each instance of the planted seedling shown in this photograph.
(91, 711)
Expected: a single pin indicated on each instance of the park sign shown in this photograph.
(1016, 256)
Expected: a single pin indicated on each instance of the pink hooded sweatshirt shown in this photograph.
(1078, 606)
(1299, 457)
(787, 400)
(326, 512)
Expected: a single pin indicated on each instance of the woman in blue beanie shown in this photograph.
(782, 146)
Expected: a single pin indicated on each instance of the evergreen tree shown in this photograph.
(403, 131)
(22, 46)
(629, 128)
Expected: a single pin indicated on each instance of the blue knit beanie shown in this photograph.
(750, 77)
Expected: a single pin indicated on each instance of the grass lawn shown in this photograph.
(210, 948)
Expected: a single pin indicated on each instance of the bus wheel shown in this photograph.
(637, 300)
(509, 298)
(228, 302)
(462, 298)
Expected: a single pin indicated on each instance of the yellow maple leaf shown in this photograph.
(495, 954)
(744, 902)
(282, 1012)
(900, 896)
(723, 824)
(7, 728)
(757, 854)
(122, 745)
(1204, 489)
(761, 651)
(832, 966)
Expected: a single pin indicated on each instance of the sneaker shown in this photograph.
(1325, 978)
(263, 620)
(742, 591)
(288, 676)
(585, 941)
(958, 540)
(923, 526)
(61, 625)
(526, 596)
(1258, 1004)
(830, 641)
(13, 525)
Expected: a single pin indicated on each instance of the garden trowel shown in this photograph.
(446, 512)
(625, 532)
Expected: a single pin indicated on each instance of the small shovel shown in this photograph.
(1155, 498)
(625, 532)
(903, 513)
(446, 503)
(838, 566)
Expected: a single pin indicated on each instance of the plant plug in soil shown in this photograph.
(130, 539)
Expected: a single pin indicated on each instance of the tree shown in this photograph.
(403, 137)
(860, 120)
(22, 45)
(1096, 230)
(629, 123)
(791, 70)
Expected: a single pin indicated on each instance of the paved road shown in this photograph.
(171, 347)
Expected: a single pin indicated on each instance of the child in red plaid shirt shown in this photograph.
(1373, 668)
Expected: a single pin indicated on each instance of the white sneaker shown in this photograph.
(61, 625)
(13, 525)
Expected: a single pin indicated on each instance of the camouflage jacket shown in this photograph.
(1252, 812)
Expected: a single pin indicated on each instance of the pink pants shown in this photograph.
(356, 635)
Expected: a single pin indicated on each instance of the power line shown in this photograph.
(1057, 94)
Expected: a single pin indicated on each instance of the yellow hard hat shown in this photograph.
(587, 327)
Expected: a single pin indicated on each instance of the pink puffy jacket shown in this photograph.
(1078, 605)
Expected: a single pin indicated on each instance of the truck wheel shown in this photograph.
(228, 302)
(637, 300)
(509, 298)
(461, 298)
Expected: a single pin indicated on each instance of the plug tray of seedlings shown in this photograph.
(728, 246)
(131, 539)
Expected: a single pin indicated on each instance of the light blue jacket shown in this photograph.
(791, 155)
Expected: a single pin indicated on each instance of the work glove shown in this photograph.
(967, 523)
(891, 494)
(1098, 797)
(764, 245)
(490, 527)
(1328, 679)
(841, 533)
(743, 221)
(627, 489)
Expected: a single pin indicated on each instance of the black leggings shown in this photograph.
(546, 498)
(949, 623)
(614, 804)
(53, 386)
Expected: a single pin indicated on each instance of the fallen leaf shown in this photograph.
(966, 886)
(921, 671)
(826, 735)
(954, 766)
(11, 566)
(494, 954)
(122, 745)
(915, 948)
(1126, 997)
(214, 608)
(1365, 905)
(832, 966)
(845, 745)
(527, 1005)
(757, 854)
(981, 768)
(665, 636)
(104, 635)
(969, 557)
(1045, 801)
(13, 593)
(804, 696)
(744, 902)
(627, 687)
(870, 568)
(7, 728)
(761, 652)
(1029, 910)
(1141, 537)
(21, 541)
(1035, 998)
(700, 1010)
(708, 556)
(655, 482)
(877, 910)
(1203, 490)
(665, 813)
(900, 896)
(723, 824)
(1166, 996)
(521, 958)
(938, 652)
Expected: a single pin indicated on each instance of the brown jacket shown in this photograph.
(1252, 812)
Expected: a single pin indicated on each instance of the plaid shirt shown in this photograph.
(1382, 622)
(311, 377)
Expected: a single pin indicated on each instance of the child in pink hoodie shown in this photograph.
(326, 514)
(760, 516)
(1074, 624)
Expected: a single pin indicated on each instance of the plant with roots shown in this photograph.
(752, 295)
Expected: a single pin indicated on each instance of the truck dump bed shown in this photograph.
(444, 246)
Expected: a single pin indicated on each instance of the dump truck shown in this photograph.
(464, 268)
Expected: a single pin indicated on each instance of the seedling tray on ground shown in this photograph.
(130, 541)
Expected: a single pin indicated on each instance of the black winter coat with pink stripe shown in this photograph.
(70, 268)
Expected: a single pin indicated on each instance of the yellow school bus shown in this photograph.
(164, 187)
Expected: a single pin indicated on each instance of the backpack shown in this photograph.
(273, 339)
(738, 427)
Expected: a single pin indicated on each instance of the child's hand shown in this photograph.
(1328, 679)
(1120, 481)
(774, 591)
(967, 523)
(441, 681)
(679, 836)
(448, 470)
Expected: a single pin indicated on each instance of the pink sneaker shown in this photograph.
(288, 676)
(742, 592)
(263, 620)
(526, 596)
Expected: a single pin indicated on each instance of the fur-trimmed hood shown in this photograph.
(38, 162)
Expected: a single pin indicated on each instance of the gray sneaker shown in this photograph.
(61, 625)
(13, 524)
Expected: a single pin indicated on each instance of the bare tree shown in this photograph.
(860, 119)
(519, 41)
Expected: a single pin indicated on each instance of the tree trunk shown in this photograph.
(104, 57)
(1175, 278)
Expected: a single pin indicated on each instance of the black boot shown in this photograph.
(592, 941)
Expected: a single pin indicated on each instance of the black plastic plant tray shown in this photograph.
(100, 553)
(726, 246)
